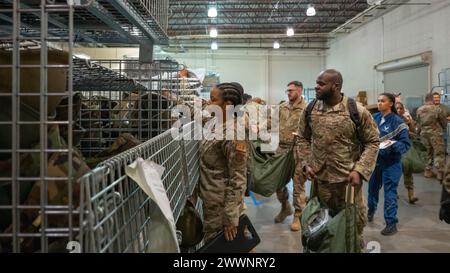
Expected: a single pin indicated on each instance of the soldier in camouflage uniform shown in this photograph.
(332, 145)
(290, 113)
(408, 176)
(223, 172)
(432, 121)
(437, 101)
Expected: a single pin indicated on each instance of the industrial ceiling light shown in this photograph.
(214, 46)
(311, 11)
(212, 12)
(290, 32)
(276, 45)
(213, 33)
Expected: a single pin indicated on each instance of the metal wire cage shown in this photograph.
(118, 210)
(123, 96)
(38, 192)
(44, 207)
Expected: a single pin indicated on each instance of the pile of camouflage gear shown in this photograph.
(57, 167)
(57, 193)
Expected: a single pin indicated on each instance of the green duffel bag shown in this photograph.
(414, 160)
(324, 232)
(270, 172)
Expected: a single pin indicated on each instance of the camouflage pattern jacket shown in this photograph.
(289, 120)
(431, 119)
(223, 179)
(334, 145)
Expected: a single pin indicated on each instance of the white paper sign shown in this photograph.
(147, 174)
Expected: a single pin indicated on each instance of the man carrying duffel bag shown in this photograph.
(339, 140)
(327, 230)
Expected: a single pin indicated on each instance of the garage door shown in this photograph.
(411, 82)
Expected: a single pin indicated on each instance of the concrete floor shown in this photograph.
(419, 228)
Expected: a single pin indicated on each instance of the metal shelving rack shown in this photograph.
(101, 22)
(32, 82)
(28, 120)
(309, 94)
(123, 96)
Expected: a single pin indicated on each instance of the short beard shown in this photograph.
(324, 96)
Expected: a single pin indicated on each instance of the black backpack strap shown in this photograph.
(352, 108)
(308, 112)
(354, 114)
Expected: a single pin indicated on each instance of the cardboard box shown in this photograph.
(362, 97)
(30, 77)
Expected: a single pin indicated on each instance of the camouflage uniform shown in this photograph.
(332, 149)
(446, 181)
(408, 176)
(289, 121)
(432, 121)
(223, 181)
(445, 108)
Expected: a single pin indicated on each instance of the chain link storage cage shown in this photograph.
(122, 96)
(38, 193)
(118, 210)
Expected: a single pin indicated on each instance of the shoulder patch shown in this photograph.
(241, 147)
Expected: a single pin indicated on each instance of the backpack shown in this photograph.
(352, 108)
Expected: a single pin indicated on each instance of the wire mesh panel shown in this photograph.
(119, 211)
(192, 155)
(155, 11)
(123, 96)
(38, 193)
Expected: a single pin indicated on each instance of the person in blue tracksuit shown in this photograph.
(394, 135)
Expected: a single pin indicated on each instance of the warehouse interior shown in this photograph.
(89, 86)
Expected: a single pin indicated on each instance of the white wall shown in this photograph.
(263, 73)
(405, 31)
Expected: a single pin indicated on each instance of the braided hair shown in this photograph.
(232, 91)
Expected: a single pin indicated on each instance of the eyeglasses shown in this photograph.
(290, 91)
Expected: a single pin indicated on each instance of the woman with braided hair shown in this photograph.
(223, 170)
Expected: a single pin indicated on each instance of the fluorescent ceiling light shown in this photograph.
(311, 11)
(213, 33)
(276, 45)
(290, 32)
(212, 12)
(214, 46)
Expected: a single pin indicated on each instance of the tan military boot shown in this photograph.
(295, 226)
(411, 197)
(286, 210)
(429, 173)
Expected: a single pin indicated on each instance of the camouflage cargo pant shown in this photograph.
(408, 180)
(333, 195)
(434, 142)
(299, 179)
(446, 181)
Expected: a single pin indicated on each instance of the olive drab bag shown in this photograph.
(414, 160)
(270, 172)
(191, 225)
(324, 233)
